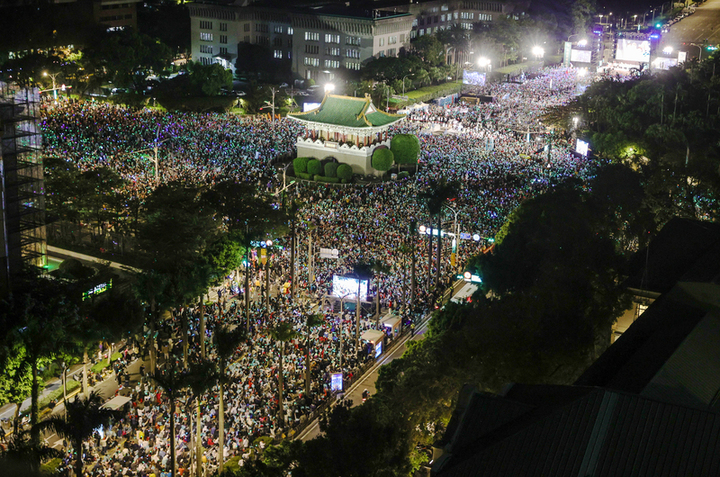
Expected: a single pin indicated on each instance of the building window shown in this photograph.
(246, 27)
(290, 30)
(332, 51)
(312, 49)
(351, 53)
(223, 27)
(391, 51)
(206, 49)
(444, 8)
(312, 36)
(330, 38)
(246, 38)
(352, 40)
(223, 39)
(382, 42)
(277, 41)
(442, 17)
(311, 61)
(421, 32)
(278, 29)
(261, 28)
(205, 25)
(332, 64)
(262, 40)
(353, 66)
(413, 34)
(278, 54)
(484, 17)
(381, 54)
(204, 36)
(415, 23)
(467, 15)
(223, 50)
(392, 40)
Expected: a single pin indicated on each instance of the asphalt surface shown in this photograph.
(702, 25)
(354, 394)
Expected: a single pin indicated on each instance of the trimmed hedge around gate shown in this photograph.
(382, 159)
(331, 169)
(314, 167)
(344, 172)
(300, 165)
(333, 180)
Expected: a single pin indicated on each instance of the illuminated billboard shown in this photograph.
(664, 63)
(581, 147)
(633, 50)
(581, 56)
(310, 106)
(347, 287)
(474, 78)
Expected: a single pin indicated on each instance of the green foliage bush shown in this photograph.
(406, 148)
(56, 395)
(382, 159)
(331, 169)
(300, 164)
(314, 167)
(97, 367)
(344, 172)
(403, 175)
(326, 179)
(304, 175)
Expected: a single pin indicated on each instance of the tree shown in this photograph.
(226, 342)
(311, 321)
(429, 49)
(40, 315)
(125, 58)
(173, 383)
(344, 171)
(23, 455)
(82, 417)
(281, 334)
(209, 80)
(382, 159)
(405, 148)
(436, 197)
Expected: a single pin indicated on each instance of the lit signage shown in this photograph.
(97, 289)
(336, 382)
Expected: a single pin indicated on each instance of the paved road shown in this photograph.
(366, 382)
(703, 25)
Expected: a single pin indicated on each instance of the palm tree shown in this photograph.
(282, 333)
(24, 456)
(436, 197)
(378, 267)
(200, 378)
(226, 343)
(174, 383)
(313, 320)
(82, 417)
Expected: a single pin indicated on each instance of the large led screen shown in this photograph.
(474, 78)
(581, 56)
(348, 287)
(633, 50)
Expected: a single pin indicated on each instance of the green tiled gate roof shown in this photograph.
(347, 111)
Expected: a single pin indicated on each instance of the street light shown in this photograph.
(575, 122)
(667, 50)
(538, 51)
(403, 82)
(483, 62)
(699, 47)
(582, 42)
(329, 87)
(52, 76)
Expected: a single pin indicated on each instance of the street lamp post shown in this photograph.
(699, 47)
(403, 82)
(52, 76)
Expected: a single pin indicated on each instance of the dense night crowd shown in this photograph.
(494, 151)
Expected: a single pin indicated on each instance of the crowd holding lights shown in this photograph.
(492, 150)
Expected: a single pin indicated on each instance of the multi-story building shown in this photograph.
(317, 41)
(439, 15)
(22, 212)
(115, 14)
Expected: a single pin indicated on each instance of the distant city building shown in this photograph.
(321, 40)
(22, 204)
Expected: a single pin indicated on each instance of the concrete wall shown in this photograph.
(358, 158)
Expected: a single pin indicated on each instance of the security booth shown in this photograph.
(391, 323)
(376, 340)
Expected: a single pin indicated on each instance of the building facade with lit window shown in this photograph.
(316, 41)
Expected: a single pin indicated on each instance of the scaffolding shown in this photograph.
(23, 239)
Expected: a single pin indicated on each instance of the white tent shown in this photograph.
(116, 403)
(391, 321)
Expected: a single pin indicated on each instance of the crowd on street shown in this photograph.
(493, 151)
